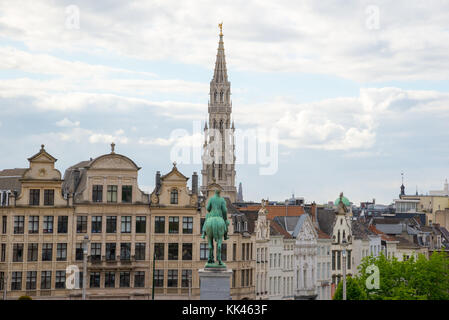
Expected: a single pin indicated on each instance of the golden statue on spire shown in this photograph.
(220, 25)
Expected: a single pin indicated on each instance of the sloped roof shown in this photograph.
(10, 179)
(276, 211)
(390, 228)
(325, 219)
(276, 229)
(288, 223)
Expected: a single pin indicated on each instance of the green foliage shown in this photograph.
(419, 279)
(354, 290)
(24, 298)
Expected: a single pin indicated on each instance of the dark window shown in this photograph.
(32, 252)
(17, 252)
(31, 280)
(333, 260)
(4, 224)
(127, 194)
(95, 279)
(159, 251)
(3, 253)
(125, 251)
(158, 278)
(186, 251)
(110, 251)
(187, 225)
(79, 252)
(338, 260)
(224, 252)
(186, 278)
(80, 279)
(139, 279)
(2, 279)
(49, 197)
(202, 220)
(173, 225)
(60, 279)
(172, 278)
(47, 251)
(16, 280)
(96, 224)
(33, 224)
(204, 251)
(112, 194)
(48, 224)
(109, 279)
(140, 251)
(172, 251)
(63, 224)
(34, 197)
(111, 224)
(159, 225)
(174, 196)
(141, 224)
(19, 224)
(349, 259)
(95, 251)
(45, 279)
(61, 252)
(81, 224)
(126, 224)
(97, 193)
(234, 252)
(124, 279)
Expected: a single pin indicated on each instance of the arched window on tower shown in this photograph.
(221, 124)
(215, 124)
(221, 96)
(215, 96)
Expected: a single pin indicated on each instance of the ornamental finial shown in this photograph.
(113, 147)
(220, 25)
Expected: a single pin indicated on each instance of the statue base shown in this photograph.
(215, 283)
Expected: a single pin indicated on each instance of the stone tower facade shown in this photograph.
(218, 149)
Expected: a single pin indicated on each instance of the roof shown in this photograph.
(404, 243)
(322, 234)
(325, 219)
(288, 223)
(276, 229)
(390, 228)
(276, 211)
(10, 179)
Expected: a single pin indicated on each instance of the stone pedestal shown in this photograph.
(215, 284)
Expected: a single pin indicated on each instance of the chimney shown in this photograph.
(313, 213)
(158, 180)
(195, 183)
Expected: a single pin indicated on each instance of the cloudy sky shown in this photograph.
(358, 90)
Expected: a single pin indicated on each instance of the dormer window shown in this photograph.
(49, 197)
(174, 196)
(34, 197)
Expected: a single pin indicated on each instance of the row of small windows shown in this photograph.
(112, 193)
(221, 95)
(35, 195)
(337, 257)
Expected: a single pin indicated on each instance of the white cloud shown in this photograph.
(67, 123)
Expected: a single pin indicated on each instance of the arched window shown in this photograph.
(220, 171)
(215, 96)
(174, 196)
(215, 124)
(221, 124)
(213, 169)
(344, 234)
(221, 96)
(338, 237)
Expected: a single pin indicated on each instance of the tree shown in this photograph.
(354, 290)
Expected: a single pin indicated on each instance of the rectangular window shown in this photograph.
(48, 224)
(127, 194)
(110, 251)
(3, 253)
(61, 252)
(49, 197)
(81, 224)
(124, 279)
(202, 220)
(2, 279)
(47, 251)
(31, 280)
(79, 252)
(186, 251)
(97, 193)
(140, 251)
(126, 224)
(96, 224)
(187, 225)
(139, 279)
(159, 224)
(224, 252)
(338, 260)
(33, 224)
(234, 252)
(174, 196)
(16, 280)
(112, 194)
(125, 251)
(172, 251)
(34, 197)
(333, 260)
(17, 252)
(60, 279)
(158, 278)
(111, 224)
(173, 225)
(32, 252)
(141, 224)
(109, 279)
(95, 251)
(186, 280)
(95, 279)
(19, 224)
(159, 251)
(45, 280)
(4, 224)
(63, 224)
(172, 279)
(204, 251)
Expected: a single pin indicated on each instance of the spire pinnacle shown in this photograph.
(220, 25)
